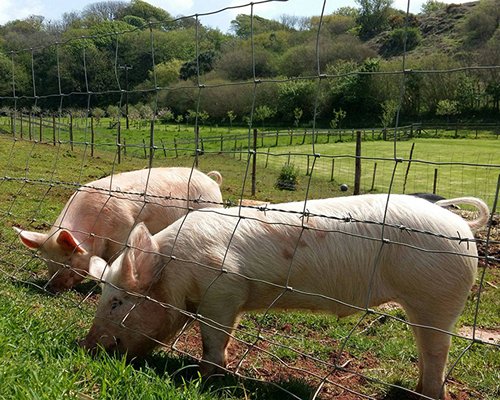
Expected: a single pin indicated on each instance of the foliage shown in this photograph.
(431, 6)
(447, 107)
(401, 39)
(338, 117)
(287, 179)
(389, 109)
(243, 26)
(263, 112)
(79, 59)
(482, 23)
(167, 72)
(203, 64)
(373, 17)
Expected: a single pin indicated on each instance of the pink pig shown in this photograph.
(331, 255)
(99, 216)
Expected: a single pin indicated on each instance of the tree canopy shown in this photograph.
(91, 57)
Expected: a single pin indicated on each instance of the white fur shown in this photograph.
(99, 216)
(342, 255)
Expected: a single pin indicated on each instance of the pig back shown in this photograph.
(341, 251)
(102, 213)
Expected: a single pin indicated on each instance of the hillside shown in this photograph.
(105, 53)
(440, 31)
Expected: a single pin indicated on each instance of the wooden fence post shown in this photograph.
(40, 120)
(30, 127)
(333, 167)
(357, 171)
(373, 177)
(434, 185)
(163, 147)
(71, 130)
(254, 161)
(408, 167)
(92, 136)
(144, 147)
(54, 129)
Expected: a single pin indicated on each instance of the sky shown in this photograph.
(54, 9)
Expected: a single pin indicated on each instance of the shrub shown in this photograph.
(287, 179)
(394, 43)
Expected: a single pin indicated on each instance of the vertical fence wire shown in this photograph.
(250, 341)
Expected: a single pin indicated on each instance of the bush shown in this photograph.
(287, 179)
(394, 43)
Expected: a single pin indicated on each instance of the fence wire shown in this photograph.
(42, 169)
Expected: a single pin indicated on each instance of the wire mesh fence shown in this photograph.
(203, 270)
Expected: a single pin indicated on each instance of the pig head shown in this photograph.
(135, 313)
(59, 250)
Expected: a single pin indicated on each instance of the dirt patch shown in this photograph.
(485, 335)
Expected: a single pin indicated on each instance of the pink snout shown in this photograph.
(96, 339)
(65, 279)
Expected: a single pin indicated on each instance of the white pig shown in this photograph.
(330, 255)
(99, 216)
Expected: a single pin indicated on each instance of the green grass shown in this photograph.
(38, 354)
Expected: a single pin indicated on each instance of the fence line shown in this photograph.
(33, 184)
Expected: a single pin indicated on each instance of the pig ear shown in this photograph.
(141, 261)
(68, 242)
(32, 240)
(98, 268)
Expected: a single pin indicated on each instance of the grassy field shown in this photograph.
(39, 357)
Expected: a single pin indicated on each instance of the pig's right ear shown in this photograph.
(98, 268)
(32, 240)
(141, 260)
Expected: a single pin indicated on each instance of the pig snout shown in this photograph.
(96, 339)
(65, 279)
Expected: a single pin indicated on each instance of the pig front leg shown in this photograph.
(216, 331)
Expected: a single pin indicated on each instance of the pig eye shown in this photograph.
(116, 303)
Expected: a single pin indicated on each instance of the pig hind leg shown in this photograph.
(433, 343)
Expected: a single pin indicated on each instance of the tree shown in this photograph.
(103, 10)
(113, 112)
(205, 63)
(97, 113)
(179, 120)
(236, 62)
(431, 6)
(297, 114)
(165, 114)
(447, 108)
(166, 72)
(338, 117)
(231, 116)
(262, 113)
(389, 110)
(242, 25)
(147, 12)
(373, 17)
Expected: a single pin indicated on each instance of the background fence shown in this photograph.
(48, 153)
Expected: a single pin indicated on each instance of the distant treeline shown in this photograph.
(116, 57)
